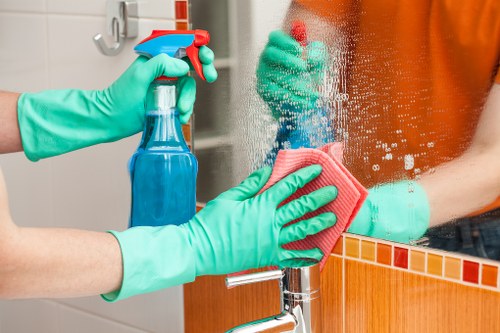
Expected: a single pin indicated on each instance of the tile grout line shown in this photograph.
(480, 274)
(70, 14)
(498, 278)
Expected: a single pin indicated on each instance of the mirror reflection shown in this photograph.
(410, 88)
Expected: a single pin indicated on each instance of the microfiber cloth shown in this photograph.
(351, 194)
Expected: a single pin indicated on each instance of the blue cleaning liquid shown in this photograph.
(301, 129)
(162, 170)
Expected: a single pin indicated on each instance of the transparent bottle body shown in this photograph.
(162, 170)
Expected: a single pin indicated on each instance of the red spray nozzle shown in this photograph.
(176, 43)
(299, 32)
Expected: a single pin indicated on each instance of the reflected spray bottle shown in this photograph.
(301, 128)
(163, 170)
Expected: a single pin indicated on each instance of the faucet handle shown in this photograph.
(241, 280)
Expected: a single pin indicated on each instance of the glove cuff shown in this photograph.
(409, 219)
(153, 258)
(397, 212)
(55, 122)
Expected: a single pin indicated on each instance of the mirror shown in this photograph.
(404, 93)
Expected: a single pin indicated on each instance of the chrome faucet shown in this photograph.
(300, 299)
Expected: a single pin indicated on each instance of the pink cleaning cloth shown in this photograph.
(351, 194)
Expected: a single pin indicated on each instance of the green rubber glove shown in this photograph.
(55, 122)
(397, 212)
(289, 75)
(187, 84)
(236, 231)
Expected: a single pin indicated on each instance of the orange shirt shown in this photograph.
(417, 75)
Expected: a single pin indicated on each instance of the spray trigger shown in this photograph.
(177, 44)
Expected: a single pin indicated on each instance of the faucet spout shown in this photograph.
(282, 323)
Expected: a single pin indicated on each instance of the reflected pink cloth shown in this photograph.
(351, 194)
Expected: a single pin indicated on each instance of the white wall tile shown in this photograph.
(23, 55)
(74, 60)
(160, 312)
(87, 7)
(29, 187)
(28, 316)
(162, 9)
(75, 321)
(33, 6)
(91, 187)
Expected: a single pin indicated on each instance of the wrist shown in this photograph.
(153, 258)
(398, 212)
(198, 238)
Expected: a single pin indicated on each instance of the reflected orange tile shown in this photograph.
(181, 11)
(490, 276)
(434, 264)
(352, 247)
(452, 268)
(368, 250)
(417, 261)
(384, 254)
(186, 132)
(181, 25)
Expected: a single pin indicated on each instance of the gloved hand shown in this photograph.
(55, 122)
(397, 212)
(236, 231)
(289, 75)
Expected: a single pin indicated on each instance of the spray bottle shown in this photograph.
(297, 128)
(163, 170)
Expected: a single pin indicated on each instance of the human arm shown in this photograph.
(54, 262)
(236, 231)
(289, 74)
(404, 210)
(9, 126)
(54, 122)
(471, 181)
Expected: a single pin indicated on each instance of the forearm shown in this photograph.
(462, 186)
(471, 181)
(55, 263)
(10, 140)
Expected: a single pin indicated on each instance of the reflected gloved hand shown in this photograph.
(397, 212)
(55, 122)
(288, 75)
(236, 231)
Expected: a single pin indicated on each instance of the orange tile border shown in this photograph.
(384, 254)
(434, 264)
(368, 250)
(462, 269)
(352, 247)
(417, 261)
(452, 268)
(489, 276)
